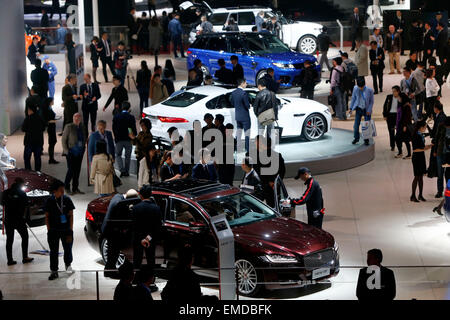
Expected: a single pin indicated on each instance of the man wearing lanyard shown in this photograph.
(410, 87)
(362, 101)
(59, 220)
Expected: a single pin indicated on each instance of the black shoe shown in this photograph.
(53, 161)
(366, 142)
(437, 210)
(421, 198)
(352, 49)
(124, 174)
(77, 191)
(27, 260)
(53, 276)
(413, 198)
(153, 288)
(393, 149)
(355, 141)
(11, 263)
(438, 195)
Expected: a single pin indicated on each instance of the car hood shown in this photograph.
(289, 57)
(34, 180)
(283, 235)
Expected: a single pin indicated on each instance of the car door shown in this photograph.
(280, 196)
(185, 224)
(246, 21)
(162, 202)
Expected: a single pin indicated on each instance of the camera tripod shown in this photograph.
(129, 71)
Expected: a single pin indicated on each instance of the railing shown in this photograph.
(412, 282)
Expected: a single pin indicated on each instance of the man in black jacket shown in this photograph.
(269, 78)
(381, 286)
(119, 94)
(309, 77)
(265, 100)
(376, 56)
(146, 229)
(15, 203)
(33, 50)
(439, 118)
(124, 124)
(251, 180)
(238, 71)
(34, 127)
(132, 29)
(33, 100)
(90, 92)
(312, 197)
(400, 25)
(441, 43)
(40, 77)
(223, 74)
(324, 43)
(428, 43)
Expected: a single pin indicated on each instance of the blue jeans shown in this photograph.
(122, 73)
(262, 128)
(37, 152)
(120, 146)
(340, 107)
(414, 112)
(246, 126)
(440, 175)
(359, 114)
(177, 43)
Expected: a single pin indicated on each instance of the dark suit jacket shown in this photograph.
(34, 127)
(388, 287)
(70, 105)
(238, 72)
(112, 204)
(102, 53)
(121, 122)
(224, 75)
(94, 52)
(239, 99)
(207, 172)
(88, 104)
(95, 136)
(373, 56)
(31, 55)
(40, 79)
(119, 94)
(428, 44)
(441, 43)
(355, 23)
(147, 220)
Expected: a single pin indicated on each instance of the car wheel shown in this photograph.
(259, 75)
(307, 44)
(314, 127)
(247, 278)
(104, 250)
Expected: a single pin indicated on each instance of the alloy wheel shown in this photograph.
(308, 45)
(314, 127)
(247, 277)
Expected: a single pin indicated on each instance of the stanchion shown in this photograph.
(97, 285)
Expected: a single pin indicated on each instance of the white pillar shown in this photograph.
(81, 27)
(95, 22)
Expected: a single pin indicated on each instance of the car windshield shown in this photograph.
(183, 99)
(240, 209)
(260, 44)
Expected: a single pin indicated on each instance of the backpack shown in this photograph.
(346, 81)
(352, 69)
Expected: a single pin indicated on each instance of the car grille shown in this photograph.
(318, 259)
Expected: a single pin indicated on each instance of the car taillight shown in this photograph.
(172, 119)
(447, 193)
(89, 216)
(189, 52)
(143, 115)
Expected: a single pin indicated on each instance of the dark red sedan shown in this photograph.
(37, 187)
(271, 250)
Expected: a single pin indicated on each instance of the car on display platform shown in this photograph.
(300, 117)
(256, 53)
(271, 250)
(298, 35)
(37, 188)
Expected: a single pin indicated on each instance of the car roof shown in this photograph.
(192, 188)
(240, 9)
(209, 90)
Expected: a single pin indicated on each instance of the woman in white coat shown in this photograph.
(148, 167)
(362, 59)
(102, 170)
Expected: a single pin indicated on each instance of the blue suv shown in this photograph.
(256, 52)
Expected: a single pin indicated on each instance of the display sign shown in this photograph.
(225, 239)
(79, 64)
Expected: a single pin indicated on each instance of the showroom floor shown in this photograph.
(366, 207)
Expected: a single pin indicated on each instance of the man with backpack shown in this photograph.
(337, 87)
(324, 43)
(362, 102)
(309, 77)
(349, 76)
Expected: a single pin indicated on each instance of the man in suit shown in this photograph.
(204, 170)
(355, 30)
(223, 74)
(101, 134)
(239, 99)
(40, 78)
(45, 23)
(251, 180)
(382, 287)
(33, 126)
(70, 99)
(238, 71)
(376, 56)
(428, 43)
(119, 94)
(124, 124)
(146, 229)
(439, 118)
(33, 50)
(400, 25)
(90, 92)
(441, 43)
(106, 55)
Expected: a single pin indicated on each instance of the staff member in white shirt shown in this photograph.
(432, 92)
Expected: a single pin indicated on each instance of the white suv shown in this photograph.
(298, 35)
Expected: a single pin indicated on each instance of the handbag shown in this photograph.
(267, 117)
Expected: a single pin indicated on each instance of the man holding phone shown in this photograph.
(124, 123)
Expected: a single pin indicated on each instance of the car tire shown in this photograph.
(307, 44)
(314, 127)
(248, 278)
(104, 250)
(259, 75)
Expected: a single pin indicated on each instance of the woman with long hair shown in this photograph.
(169, 70)
(143, 79)
(418, 159)
(148, 167)
(102, 170)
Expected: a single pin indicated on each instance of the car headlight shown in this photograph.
(38, 193)
(336, 247)
(284, 65)
(278, 258)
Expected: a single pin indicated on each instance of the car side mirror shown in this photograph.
(197, 226)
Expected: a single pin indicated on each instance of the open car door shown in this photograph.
(280, 196)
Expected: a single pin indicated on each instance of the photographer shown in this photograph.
(121, 61)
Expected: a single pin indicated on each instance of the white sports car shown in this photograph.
(297, 117)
